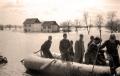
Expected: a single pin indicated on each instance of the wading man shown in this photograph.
(64, 47)
(91, 40)
(71, 53)
(112, 52)
(90, 56)
(79, 49)
(45, 48)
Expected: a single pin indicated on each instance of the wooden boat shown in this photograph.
(58, 67)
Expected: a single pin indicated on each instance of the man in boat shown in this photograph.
(79, 49)
(71, 53)
(91, 40)
(64, 47)
(101, 58)
(92, 51)
(45, 48)
(112, 52)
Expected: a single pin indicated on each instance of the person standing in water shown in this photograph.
(71, 53)
(79, 49)
(90, 56)
(45, 48)
(64, 48)
(91, 40)
(112, 53)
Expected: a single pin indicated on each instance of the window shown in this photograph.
(44, 27)
(30, 25)
(49, 27)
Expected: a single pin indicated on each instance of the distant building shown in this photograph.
(32, 25)
(50, 26)
(1, 27)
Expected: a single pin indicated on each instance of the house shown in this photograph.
(32, 25)
(50, 26)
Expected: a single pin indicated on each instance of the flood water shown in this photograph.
(17, 45)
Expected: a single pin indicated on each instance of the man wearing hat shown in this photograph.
(112, 52)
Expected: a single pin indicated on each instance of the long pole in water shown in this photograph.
(97, 52)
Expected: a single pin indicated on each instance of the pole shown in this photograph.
(97, 52)
(95, 60)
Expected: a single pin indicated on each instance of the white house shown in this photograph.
(50, 26)
(32, 25)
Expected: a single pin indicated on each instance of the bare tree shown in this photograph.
(66, 26)
(86, 21)
(77, 24)
(99, 22)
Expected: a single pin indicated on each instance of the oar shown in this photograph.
(33, 53)
(96, 54)
(47, 64)
(36, 52)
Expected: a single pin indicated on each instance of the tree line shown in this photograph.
(112, 22)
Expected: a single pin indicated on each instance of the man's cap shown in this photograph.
(64, 34)
(112, 36)
(81, 35)
(49, 36)
(91, 37)
(97, 38)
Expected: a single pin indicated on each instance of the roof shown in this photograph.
(31, 21)
(48, 23)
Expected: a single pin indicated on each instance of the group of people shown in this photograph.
(93, 54)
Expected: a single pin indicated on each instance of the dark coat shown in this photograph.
(112, 51)
(91, 53)
(46, 45)
(45, 48)
(79, 51)
(101, 58)
(64, 45)
(64, 48)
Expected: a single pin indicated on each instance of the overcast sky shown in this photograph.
(16, 11)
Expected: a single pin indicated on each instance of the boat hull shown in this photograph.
(62, 68)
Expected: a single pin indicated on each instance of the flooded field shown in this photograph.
(18, 45)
